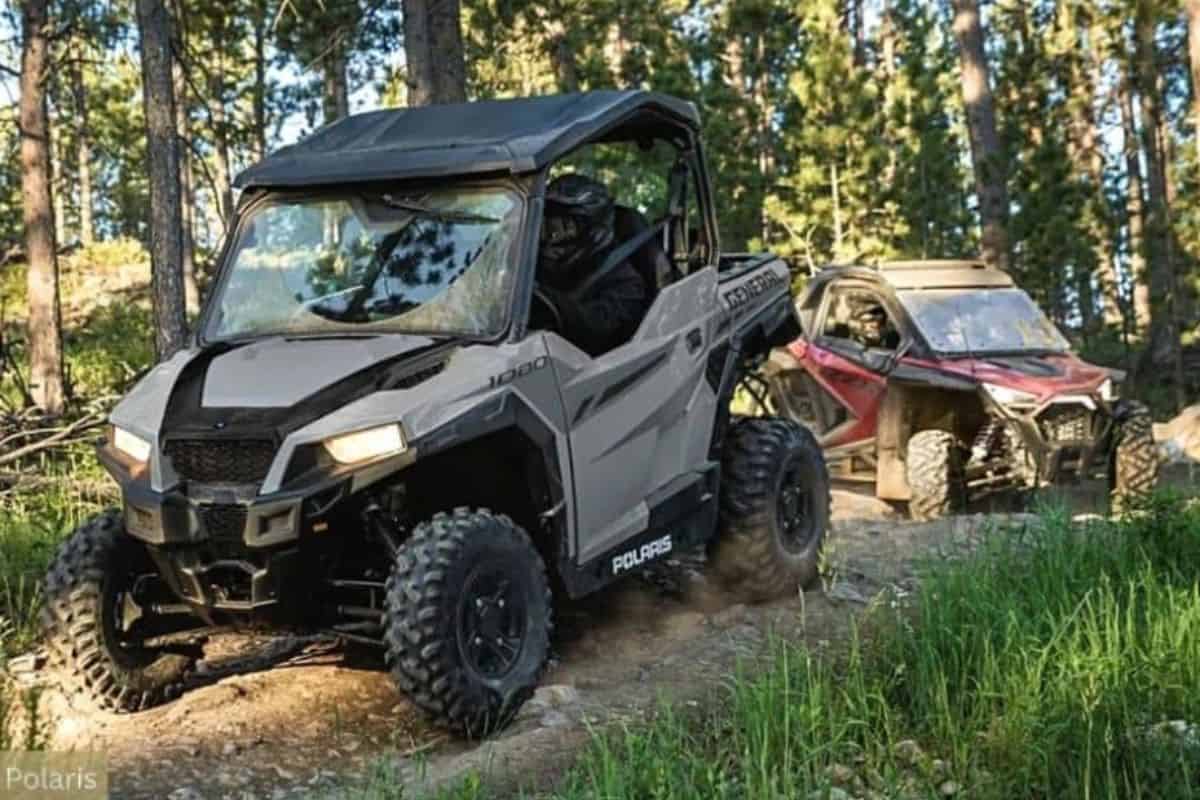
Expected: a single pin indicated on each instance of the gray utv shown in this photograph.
(377, 432)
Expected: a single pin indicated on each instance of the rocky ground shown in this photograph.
(279, 718)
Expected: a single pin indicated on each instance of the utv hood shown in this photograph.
(256, 379)
(279, 373)
(1044, 376)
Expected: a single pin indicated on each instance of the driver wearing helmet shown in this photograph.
(870, 326)
(577, 234)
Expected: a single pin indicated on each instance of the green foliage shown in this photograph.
(1050, 663)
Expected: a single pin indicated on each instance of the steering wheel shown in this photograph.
(548, 316)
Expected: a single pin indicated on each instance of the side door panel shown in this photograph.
(859, 390)
(628, 413)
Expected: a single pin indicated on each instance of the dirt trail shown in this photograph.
(305, 717)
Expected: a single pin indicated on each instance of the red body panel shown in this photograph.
(862, 391)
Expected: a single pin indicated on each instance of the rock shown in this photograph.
(562, 695)
(909, 752)
(230, 749)
(832, 793)
(729, 616)
(846, 591)
(1179, 439)
(1178, 730)
(555, 719)
(840, 774)
(949, 788)
(284, 774)
(185, 793)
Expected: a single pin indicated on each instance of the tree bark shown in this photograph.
(1135, 211)
(58, 181)
(1163, 339)
(45, 320)
(83, 137)
(259, 149)
(986, 153)
(433, 48)
(166, 221)
(183, 130)
(1193, 17)
(336, 90)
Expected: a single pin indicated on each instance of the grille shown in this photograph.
(215, 461)
(1066, 423)
(226, 527)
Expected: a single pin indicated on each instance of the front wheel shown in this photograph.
(468, 620)
(934, 466)
(774, 508)
(1133, 467)
(95, 627)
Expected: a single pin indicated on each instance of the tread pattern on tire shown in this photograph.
(744, 554)
(72, 627)
(932, 473)
(418, 641)
(1135, 460)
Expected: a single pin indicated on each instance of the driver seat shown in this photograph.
(650, 260)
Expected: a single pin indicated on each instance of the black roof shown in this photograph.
(513, 136)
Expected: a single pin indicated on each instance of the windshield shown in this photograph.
(438, 263)
(969, 321)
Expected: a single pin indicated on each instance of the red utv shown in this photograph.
(940, 382)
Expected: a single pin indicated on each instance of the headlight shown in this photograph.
(133, 446)
(1009, 397)
(365, 445)
(1108, 392)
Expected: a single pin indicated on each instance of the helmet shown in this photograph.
(578, 224)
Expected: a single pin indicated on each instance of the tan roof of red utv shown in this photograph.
(927, 274)
(943, 275)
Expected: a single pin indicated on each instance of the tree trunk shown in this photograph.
(433, 47)
(1193, 16)
(58, 181)
(336, 90)
(1163, 340)
(259, 148)
(83, 137)
(986, 154)
(1136, 212)
(558, 47)
(45, 322)
(1093, 150)
(166, 222)
(183, 130)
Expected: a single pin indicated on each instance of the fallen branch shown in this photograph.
(60, 438)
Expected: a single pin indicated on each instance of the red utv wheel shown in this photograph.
(1133, 467)
(935, 474)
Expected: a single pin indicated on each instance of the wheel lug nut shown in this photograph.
(478, 640)
(501, 603)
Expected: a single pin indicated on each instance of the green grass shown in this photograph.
(1037, 667)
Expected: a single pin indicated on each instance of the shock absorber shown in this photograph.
(988, 441)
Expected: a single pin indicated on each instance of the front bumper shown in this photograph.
(228, 548)
(1069, 437)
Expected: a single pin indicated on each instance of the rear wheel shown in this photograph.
(468, 620)
(774, 508)
(934, 466)
(1133, 468)
(93, 623)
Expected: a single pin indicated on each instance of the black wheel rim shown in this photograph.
(491, 629)
(796, 512)
(119, 630)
